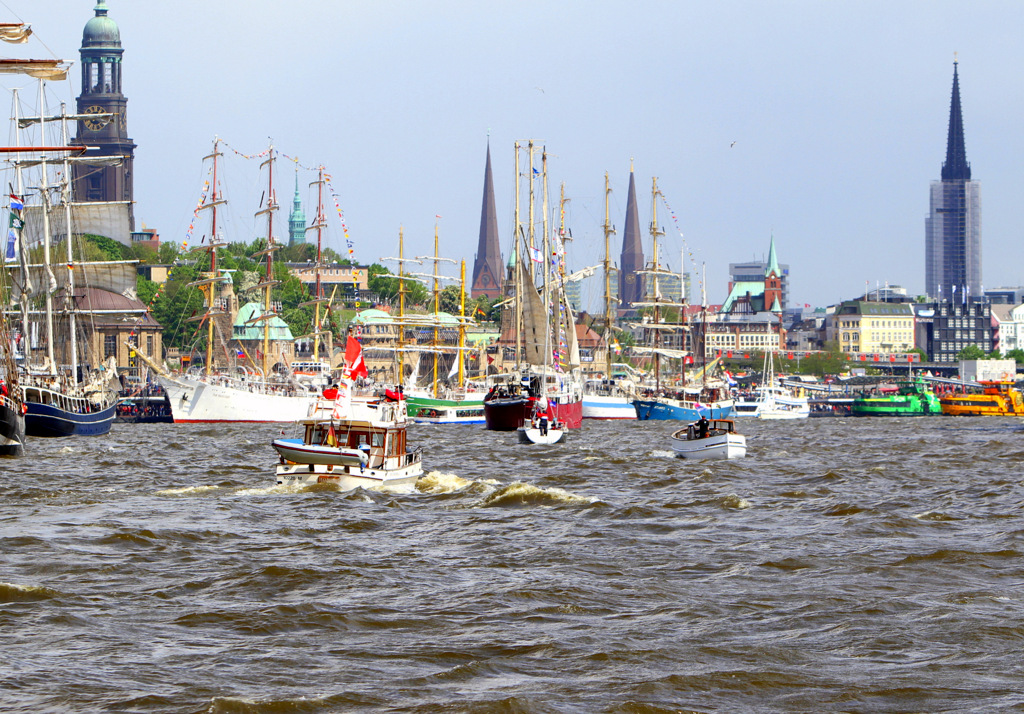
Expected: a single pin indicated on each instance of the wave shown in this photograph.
(525, 494)
(11, 592)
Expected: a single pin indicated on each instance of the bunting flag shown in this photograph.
(675, 220)
(199, 206)
(535, 255)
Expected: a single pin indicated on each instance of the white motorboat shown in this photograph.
(351, 441)
(719, 441)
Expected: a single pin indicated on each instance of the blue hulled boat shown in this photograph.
(669, 409)
(51, 413)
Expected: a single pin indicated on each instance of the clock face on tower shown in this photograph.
(97, 123)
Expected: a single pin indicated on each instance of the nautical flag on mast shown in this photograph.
(354, 359)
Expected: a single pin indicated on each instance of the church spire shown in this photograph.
(487, 266)
(631, 282)
(297, 218)
(956, 166)
(773, 261)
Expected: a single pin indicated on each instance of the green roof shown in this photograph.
(740, 289)
(244, 329)
(372, 316)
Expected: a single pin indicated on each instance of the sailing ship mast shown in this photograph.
(462, 320)
(655, 232)
(517, 329)
(208, 284)
(608, 231)
(66, 198)
(319, 223)
(272, 247)
(44, 191)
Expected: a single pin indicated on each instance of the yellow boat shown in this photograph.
(998, 398)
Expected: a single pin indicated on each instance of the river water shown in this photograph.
(870, 565)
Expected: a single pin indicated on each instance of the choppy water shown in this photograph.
(844, 565)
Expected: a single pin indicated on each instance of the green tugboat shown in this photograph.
(913, 398)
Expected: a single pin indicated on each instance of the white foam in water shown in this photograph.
(186, 490)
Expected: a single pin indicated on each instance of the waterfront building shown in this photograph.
(631, 280)
(115, 320)
(953, 225)
(739, 338)
(945, 328)
(861, 326)
(1007, 327)
(106, 186)
(297, 217)
(351, 281)
(487, 272)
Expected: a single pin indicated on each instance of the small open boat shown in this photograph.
(352, 442)
(720, 441)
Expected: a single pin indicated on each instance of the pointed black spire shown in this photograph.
(631, 283)
(956, 165)
(487, 268)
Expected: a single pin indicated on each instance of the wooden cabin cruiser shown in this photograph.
(353, 442)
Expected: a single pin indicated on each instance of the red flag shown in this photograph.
(354, 359)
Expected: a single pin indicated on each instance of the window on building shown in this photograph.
(109, 346)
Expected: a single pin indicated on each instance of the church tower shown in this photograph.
(953, 226)
(631, 282)
(297, 218)
(101, 94)
(487, 273)
(773, 282)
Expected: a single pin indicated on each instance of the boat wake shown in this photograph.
(187, 490)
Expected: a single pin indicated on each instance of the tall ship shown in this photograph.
(444, 399)
(679, 401)
(611, 395)
(251, 391)
(64, 389)
(913, 398)
(547, 356)
(995, 398)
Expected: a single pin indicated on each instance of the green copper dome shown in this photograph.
(101, 31)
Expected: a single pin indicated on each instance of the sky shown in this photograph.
(819, 123)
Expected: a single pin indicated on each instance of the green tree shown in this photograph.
(970, 352)
(450, 300)
(1017, 354)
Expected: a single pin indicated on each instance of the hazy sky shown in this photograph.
(838, 111)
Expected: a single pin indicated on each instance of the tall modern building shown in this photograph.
(105, 185)
(631, 281)
(487, 272)
(953, 227)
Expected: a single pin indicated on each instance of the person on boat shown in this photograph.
(702, 427)
(543, 414)
(331, 391)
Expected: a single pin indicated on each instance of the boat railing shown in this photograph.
(10, 403)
